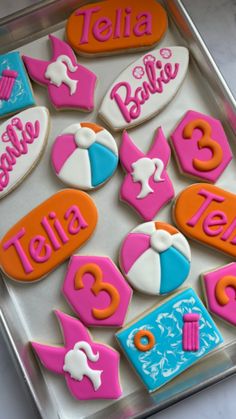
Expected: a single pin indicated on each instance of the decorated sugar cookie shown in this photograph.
(220, 286)
(147, 186)
(207, 214)
(15, 89)
(206, 149)
(167, 340)
(22, 142)
(69, 84)
(91, 369)
(155, 257)
(84, 155)
(97, 291)
(112, 27)
(144, 88)
(48, 235)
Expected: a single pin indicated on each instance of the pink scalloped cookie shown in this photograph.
(146, 186)
(96, 290)
(70, 85)
(91, 369)
(220, 288)
(206, 149)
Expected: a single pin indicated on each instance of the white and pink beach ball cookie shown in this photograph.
(84, 156)
(156, 258)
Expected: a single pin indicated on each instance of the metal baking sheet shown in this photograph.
(27, 311)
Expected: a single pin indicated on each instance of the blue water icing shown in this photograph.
(103, 163)
(21, 96)
(174, 269)
(167, 359)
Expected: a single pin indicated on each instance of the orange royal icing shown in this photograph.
(207, 213)
(112, 26)
(144, 346)
(97, 287)
(48, 235)
(220, 290)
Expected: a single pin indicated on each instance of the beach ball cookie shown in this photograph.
(84, 156)
(70, 85)
(15, 90)
(206, 149)
(155, 257)
(91, 369)
(171, 337)
(220, 287)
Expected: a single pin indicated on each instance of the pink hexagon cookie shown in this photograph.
(220, 290)
(201, 146)
(96, 290)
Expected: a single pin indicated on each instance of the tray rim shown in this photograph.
(10, 316)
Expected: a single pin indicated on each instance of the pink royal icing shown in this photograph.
(218, 284)
(97, 291)
(7, 82)
(191, 332)
(91, 369)
(206, 149)
(70, 85)
(147, 186)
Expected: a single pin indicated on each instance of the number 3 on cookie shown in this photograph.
(97, 287)
(205, 142)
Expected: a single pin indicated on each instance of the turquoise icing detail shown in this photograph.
(167, 359)
(21, 96)
(174, 269)
(103, 163)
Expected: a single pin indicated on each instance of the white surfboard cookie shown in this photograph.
(22, 141)
(145, 87)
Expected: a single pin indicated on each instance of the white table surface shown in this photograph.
(216, 21)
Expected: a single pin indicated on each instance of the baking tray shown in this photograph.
(26, 311)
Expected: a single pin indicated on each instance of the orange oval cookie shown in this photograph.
(208, 214)
(48, 235)
(112, 26)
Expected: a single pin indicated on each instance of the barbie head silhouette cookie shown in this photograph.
(147, 186)
(70, 85)
(84, 156)
(91, 369)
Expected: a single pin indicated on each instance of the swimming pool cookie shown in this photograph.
(91, 369)
(146, 186)
(96, 290)
(155, 343)
(22, 142)
(206, 149)
(155, 257)
(70, 85)
(220, 286)
(84, 156)
(116, 26)
(145, 87)
(48, 235)
(15, 89)
(207, 214)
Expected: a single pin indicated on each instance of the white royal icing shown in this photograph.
(143, 170)
(74, 173)
(57, 73)
(161, 240)
(145, 273)
(76, 364)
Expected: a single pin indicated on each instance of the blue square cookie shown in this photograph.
(154, 343)
(15, 88)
